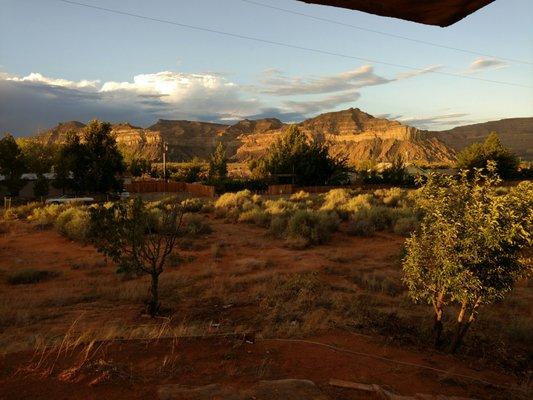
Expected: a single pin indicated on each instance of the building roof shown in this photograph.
(429, 12)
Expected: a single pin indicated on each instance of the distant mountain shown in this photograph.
(352, 132)
(515, 133)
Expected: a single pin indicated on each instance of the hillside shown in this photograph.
(515, 133)
(353, 132)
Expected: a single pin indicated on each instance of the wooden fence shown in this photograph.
(160, 186)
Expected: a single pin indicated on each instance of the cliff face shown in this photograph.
(515, 134)
(360, 136)
(352, 132)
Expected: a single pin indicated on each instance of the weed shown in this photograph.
(29, 276)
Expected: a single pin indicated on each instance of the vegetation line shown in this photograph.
(358, 353)
(288, 45)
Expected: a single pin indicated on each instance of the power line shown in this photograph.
(287, 45)
(393, 35)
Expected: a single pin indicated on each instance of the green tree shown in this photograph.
(90, 162)
(70, 165)
(103, 160)
(41, 188)
(478, 155)
(38, 157)
(11, 165)
(218, 163)
(139, 166)
(137, 239)
(468, 248)
(309, 162)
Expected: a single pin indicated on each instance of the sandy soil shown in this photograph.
(87, 295)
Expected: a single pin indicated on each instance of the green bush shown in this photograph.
(196, 225)
(405, 225)
(278, 226)
(192, 205)
(311, 227)
(282, 206)
(29, 276)
(22, 212)
(391, 197)
(74, 223)
(255, 216)
(242, 200)
(360, 227)
(46, 216)
(300, 196)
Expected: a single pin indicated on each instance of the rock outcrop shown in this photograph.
(351, 132)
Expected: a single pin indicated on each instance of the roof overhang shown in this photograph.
(430, 12)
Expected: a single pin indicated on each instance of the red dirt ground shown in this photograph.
(133, 369)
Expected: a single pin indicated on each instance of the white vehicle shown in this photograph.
(67, 200)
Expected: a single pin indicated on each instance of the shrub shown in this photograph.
(255, 216)
(22, 212)
(360, 201)
(391, 197)
(278, 226)
(360, 227)
(405, 225)
(196, 225)
(311, 227)
(335, 200)
(282, 207)
(28, 276)
(74, 223)
(300, 196)
(46, 216)
(192, 205)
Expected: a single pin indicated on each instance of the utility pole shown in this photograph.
(165, 149)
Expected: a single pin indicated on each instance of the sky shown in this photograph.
(62, 62)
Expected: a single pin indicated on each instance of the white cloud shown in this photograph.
(178, 95)
(275, 83)
(427, 70)
(311, 107)
(436, 121)
(36, 77)
(485, 64)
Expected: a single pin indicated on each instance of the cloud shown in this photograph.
(275, 83)
(436, 121)
(37, 102)
(38, 78)
(485, 64)
(427, 70)
(310, 107)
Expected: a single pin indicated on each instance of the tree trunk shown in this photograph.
(438, 325)
(462, 326)
(153, 305)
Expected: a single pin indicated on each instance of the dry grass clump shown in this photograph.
(387, 282)
(295, 305)
(29, 276)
